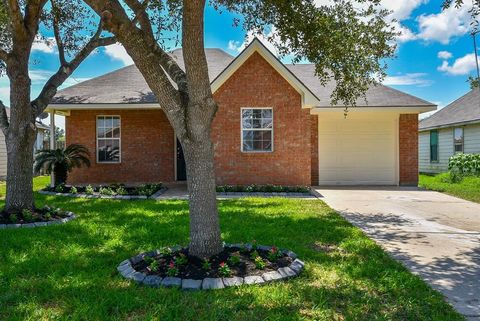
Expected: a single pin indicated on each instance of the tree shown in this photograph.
(346, 41)
(59, 134)
(20, 22)
(61, 161)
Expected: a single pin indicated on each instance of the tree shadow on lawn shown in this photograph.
(68, 271)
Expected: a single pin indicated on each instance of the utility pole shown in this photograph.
(474, 35)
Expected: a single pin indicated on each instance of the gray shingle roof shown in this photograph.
(463, 110)
(127, 86)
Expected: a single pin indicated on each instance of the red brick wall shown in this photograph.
(314, 149)
(408, 149)
(257, 84)
(147, 147)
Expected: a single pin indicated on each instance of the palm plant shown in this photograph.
(62, 161)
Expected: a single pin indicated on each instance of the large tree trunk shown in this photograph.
(20, 138)
(205, 239)
(20, 172)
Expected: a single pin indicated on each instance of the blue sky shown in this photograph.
(434, 55)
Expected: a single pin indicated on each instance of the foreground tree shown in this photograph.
(346, 41)
(19, 29)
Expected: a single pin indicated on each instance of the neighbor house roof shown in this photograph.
(464, 110)
(127, 85)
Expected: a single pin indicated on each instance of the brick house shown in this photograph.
(275, 125)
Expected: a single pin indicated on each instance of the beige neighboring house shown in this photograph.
(39, 145)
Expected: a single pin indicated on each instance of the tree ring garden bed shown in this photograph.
(114, 191)
(40, 217)
(265, 191)
(237, 264)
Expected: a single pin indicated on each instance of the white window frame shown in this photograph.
(463, 140)
(119, 140)
(256, 129)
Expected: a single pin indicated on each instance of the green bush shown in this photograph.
(465, 164)
(106, 191)
(89, 190)
(262, 189)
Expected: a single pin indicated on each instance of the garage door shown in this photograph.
(358, 150)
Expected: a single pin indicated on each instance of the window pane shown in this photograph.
(458, 148)
(257, 113)
(116, 122)
(267, 123)
(266, 113)
(100, 132)
(116, 132)
(108, 133)
(247, 123)
(100, 122)
(248, 145)
(458, 134)
(246, 113)
(267, 146)
(257, 123)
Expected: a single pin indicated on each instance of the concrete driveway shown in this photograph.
(435, 235)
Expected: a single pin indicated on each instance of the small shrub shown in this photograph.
(154, 266)
(224, 270)
(181, 259)
(172, 270)
(73, 190)
(234, 259)
(206, 265)
(89, 190)
(47, 216)
(466, 164)
(121, 190)
(13, 218)
(254, 255)
(274, 254)
(148, 259)
(164, 251)
(59, 188)
(107, 191)
(454, 176)
(259, 263)
(148, 189)
(27, 215)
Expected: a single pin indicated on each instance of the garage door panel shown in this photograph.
(357, 152)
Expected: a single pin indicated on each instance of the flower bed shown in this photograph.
(39, 217)
(237, 264)
(262, 189)
(118, 191)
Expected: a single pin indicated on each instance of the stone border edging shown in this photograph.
(98, 196)
(261, 194)
(70, 217)
(127, 271)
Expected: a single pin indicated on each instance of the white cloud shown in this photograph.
(445, 55)
(73, 81)
(442, 27)
(411, 79)
(461, 66)
(46, 45)
(118, 52)
(4, 93)
(39, 75)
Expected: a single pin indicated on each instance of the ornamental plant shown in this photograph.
(172, 270)
(206, 265)
(89, 190)
(181, 259)
(254, 255)
(274, 254)
(27, 215)
(259, 263)
(466, 164)
(73, 190)
(154, 266)
(121, 190)
(234, 259)
(224, 270)
(59, 188)
(106, 191)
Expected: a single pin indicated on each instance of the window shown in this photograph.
(108, 139)
(257, 129)
(458, 140)
(434, 146)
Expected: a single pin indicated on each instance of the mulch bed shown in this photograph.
(44, 214)
(193, 267)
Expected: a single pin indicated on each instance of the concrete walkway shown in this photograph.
(435, 235)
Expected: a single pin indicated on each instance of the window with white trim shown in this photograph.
(108, 139)
(257, 129)
(458, 139)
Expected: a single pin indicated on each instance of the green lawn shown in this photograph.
(68, 271)
(468, 188)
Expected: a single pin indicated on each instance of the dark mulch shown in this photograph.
(193, 268)
(44, 214)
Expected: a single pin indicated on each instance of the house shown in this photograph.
(275, 125)
(453, 129)
(42, 129)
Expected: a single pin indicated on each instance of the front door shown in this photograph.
(181, 168)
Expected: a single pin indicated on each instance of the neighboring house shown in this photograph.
(275, 125)
(453, 129)
(42, 128)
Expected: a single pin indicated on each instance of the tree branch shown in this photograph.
(58, 38)
(33, 12)
(3, 55)
(15, 13)
(3, 119)
(65, 70)
(141, 16)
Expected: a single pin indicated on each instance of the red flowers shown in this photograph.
(171, 265)
(222, 264)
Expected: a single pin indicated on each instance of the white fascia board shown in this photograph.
(395, 109)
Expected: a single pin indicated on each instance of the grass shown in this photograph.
(468, 188)
(68, 271)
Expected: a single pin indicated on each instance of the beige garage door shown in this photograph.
(358, 150)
